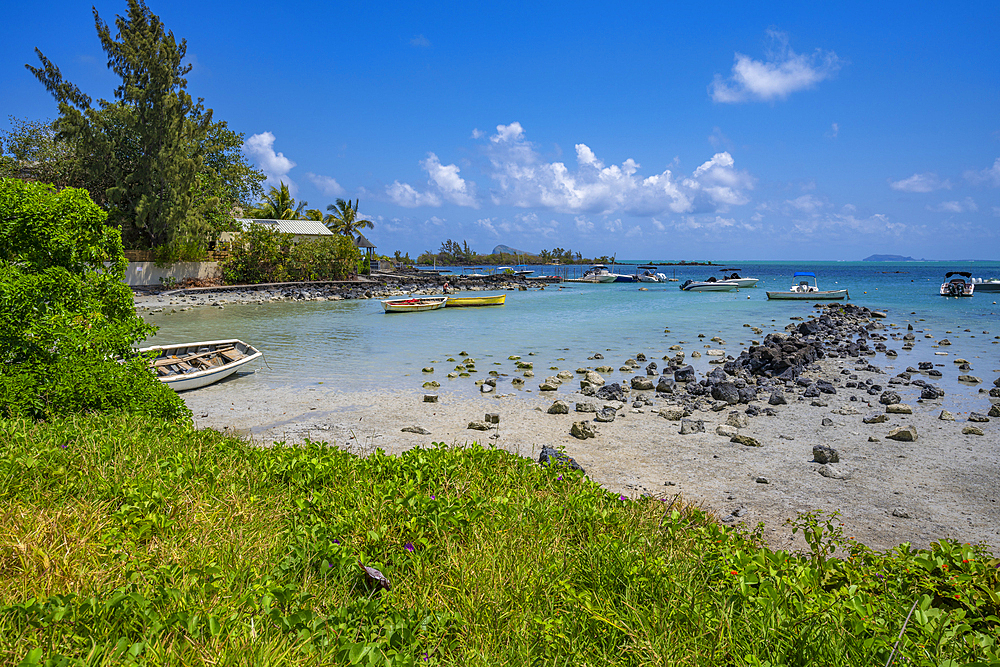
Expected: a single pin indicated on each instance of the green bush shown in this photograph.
(66, 315)
(262, 254)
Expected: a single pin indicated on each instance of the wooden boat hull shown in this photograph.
(464, 301)
(830, 295)
(413, 305)
(180, 379)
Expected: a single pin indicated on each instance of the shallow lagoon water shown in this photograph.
(354, 345)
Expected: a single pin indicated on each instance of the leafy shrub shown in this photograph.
(262, 254)
(66, 315)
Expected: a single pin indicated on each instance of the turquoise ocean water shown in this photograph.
(354, 345)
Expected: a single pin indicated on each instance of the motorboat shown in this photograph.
(193, 365)
(742, 282)
(486, 300)
(598, 273)
(415, 304)
(475, 272)
(803, 290)
(986, 284)
(647, 274)
(711, 285)
(514, 271)
(961, 285)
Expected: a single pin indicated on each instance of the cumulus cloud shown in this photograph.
(927, 182)
(990, 177)
(805, 204)
(523, 178)
(834, 130)
(404, 194)
(445, 177)
(446, 186)
(968, 205)
(633, 231)
(782, 73)
(326, 184)
(275, 166)
(420, 41)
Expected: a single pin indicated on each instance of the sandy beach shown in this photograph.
(945, 484)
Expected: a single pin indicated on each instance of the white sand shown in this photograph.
(946, 483)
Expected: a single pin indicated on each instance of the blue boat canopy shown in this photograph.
(804, 273)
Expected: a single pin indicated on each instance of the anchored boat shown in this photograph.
(960, 286)
(487, 300)
(194, 365)
(414, 305)
(804, 291)
(710, 285)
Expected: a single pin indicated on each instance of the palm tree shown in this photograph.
(279, 204)
(343, 218)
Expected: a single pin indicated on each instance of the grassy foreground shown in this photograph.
(127, 539)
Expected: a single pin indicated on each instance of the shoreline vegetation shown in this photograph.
(149, 541)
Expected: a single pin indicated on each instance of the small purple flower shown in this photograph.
(559, 478)
(622, 498)
(336, 541)
(432, 497)
(63, 446)
(329, 564)
(409, 547)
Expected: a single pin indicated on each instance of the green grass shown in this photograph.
(129, 539)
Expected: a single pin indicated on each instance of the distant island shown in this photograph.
(507, 250)
(891, 258)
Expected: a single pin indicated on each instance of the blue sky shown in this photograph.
(646, 130)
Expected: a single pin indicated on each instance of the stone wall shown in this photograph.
(148, 273)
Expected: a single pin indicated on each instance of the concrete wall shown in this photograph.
(148, 273)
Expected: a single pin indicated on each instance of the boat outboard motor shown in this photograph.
(955, 288)
(686, 283)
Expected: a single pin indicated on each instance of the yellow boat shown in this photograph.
(461, 301)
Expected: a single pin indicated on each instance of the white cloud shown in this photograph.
(326, 184)
(404, 194)
(834, 130)
(613, 225)
(524, 179)
(990, 177)
(968, 205)
(508, 133)
(487, 224)
(806, 204)
(633, 232)
(274, 165)
(476, 133)
(659, 225)
(452, 186)
(582, 224)
(927, 182)
(784, 72)
(420, 41)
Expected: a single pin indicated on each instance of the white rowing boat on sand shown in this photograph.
(193, 365)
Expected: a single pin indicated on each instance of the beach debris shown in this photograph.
(970, 379)
(433, 384)
(582, 430)
(585, 407)
(830, 472)
(419, 430)
(825, 454)
(605, 414)
(978, 417)
(745, 440)
(492, 417)
(777, 398)
(641, 383)
(930, 392)
(478, 426)
(725, 430)
(725, 391)
(427, 369)
(611, 392)
(689, 426)
(901, 513)
(375, 578)
(946, 416)
(826, 421)
(486, 388)
(552, 456)
(903, 433)
(673, 414)
(665, 385)
(685, 374)
(762, 480)
(564, 376)
(890, 398)
(994, 410)
(430, 398)
(972, 430)
(899, 409)
(549, 386)
(559, 408)
(737, 420)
